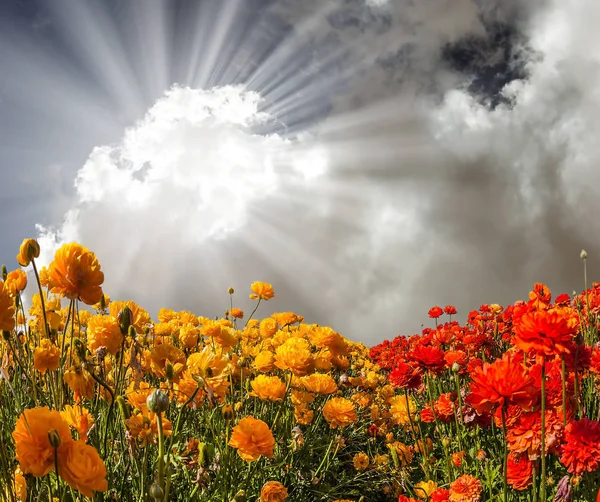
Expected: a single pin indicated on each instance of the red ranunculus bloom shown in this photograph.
(581, 448)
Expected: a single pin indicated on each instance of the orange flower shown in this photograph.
(273, 491)
(237, 313)
(16, 281)
(166, 358)
(46, 356)
(264, 361)
(261, 290)
(80, 382)
(581, 449)
(188, 336)
(525, 435)
(7, 309)
(32, 444)
(319, 383)
(295, 355)
(268, 327)
(252, 438)
(303, 414)
(339, 412)
(360, 461)
(519, 471)
(79, 419)
(82, 468)
(268, 388)
(547, 332)
(504, 382)
(467, 488)
(20, 485)
(75, 273)
(104, 331)
(29, 250)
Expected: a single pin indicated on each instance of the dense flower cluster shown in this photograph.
(107, 402)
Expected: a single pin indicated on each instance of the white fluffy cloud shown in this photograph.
(410, 193)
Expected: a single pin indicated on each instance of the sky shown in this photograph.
(369, 158)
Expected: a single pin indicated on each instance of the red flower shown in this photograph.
(404, 376)
(519, 471)
(547, 332)
(429, 357)
(450, 309)
(440, 495)
(435, 312)
(504, 382)
(581, 449)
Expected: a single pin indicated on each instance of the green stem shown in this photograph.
(161, 455)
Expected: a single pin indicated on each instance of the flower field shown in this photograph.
(100, 401)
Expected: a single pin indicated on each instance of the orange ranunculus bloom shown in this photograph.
(295, 354)
(7, 309)
(285, 318)
(268, 388)
(403, 410)
(339, 412)
(519, 471)
(82, 468)
(273, 491)
(261, 290)
(80, 382)
(303, 414)
(189, 335)
(46, 356)
(16, 281)
(525, 434)
(268, 327)
(75, 274)
(547, 332)
(237, 313)
(79, 419)
(581, 448)
(20, 485)
(164, 355)
(319, 383)
(466, 488)
(29, 250)
(32, 444)
(504, 382)
(104, 331)
(252, 438)
(264, 361)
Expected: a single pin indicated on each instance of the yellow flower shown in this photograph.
(82, 468)
(360, 461)
(16, 281)
(268, 388)
(20, 485)
(273, 491)
(75, 274)
(141, 318)
(104, 331)
(424, 489)
(261, 290)
(294, 354)
(7, 309)
(319, 383)
(46, 356)
(29, 250)
(252, 438)
(79, 419)
(339, 412)
(400, 407)
(268, 327)
(80, 382)
(34, 452)
(166, 357)
(188, 336)
(264, 361)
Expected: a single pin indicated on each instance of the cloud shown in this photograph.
(455, 165)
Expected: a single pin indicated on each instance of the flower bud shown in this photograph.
(230, 290)
(156, 492)
(54, 438)
(240, 496)
(169, 371)
(122, 405)
(446, 442)
(125, 319)
(157, 402)
(29, 250)
(455, 367)
(583, 254)
(4, 272)
(227, 412)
